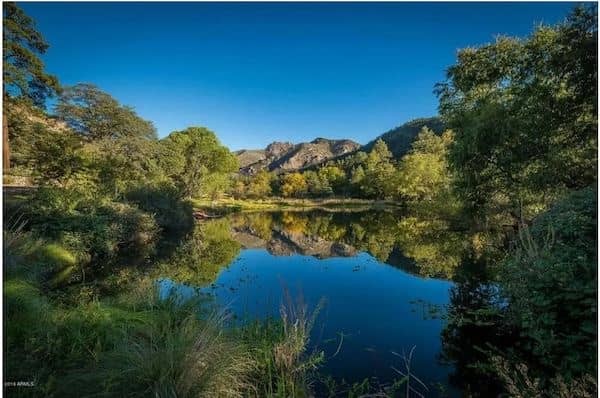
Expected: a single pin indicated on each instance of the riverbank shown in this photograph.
(275, 204)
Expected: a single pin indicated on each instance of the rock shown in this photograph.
(285, 156)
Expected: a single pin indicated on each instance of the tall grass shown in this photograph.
(285, 367)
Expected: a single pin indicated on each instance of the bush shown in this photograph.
(163, 201)
(92, 233)
(550, 282)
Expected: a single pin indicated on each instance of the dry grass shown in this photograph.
(520, 384)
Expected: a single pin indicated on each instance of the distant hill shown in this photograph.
(285, 156)
(399, 139)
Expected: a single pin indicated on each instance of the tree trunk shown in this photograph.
(5, 147)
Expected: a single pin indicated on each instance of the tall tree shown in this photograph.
(260, 185)
(293, 184)
(96, 115)
(424, 172)
(192, 157)
(380, 173)
(524, 113)
(24, 75)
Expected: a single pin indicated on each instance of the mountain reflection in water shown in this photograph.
(385, 276)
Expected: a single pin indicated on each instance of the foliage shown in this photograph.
(285, 368)
(293, 184)
(550, 282)
(524, 114)
(96, 115)
(192, 157)
(380, 173)
(317, 184)
(399, 139)
(119, 165)
(162, 200)
(98, 233)
(24, 76)
(521, 385)
(424, 172)
(55, 155)
(260, 185)
(334, 177)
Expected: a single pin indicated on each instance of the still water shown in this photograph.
(383, 282)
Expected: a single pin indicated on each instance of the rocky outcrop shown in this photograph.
(247, 157)
(285, 156)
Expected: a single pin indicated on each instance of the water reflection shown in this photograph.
(429, 248)
(382, 273)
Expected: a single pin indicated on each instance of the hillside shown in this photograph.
(399, 139)
(285, 156)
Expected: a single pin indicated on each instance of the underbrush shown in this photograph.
(137, 344)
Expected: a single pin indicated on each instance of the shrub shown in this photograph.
(550, 282)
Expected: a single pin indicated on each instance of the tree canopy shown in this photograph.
(24, 75)
(192, 157)
(524, 112)
(96, 115)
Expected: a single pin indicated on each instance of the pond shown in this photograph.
(381, 282)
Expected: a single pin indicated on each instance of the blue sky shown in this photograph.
(259, 72)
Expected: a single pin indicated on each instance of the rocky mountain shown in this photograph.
(399, 139)
(285, 156)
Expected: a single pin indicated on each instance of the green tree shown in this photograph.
(293, 185)
(120, 165)
(524, 113)
(335, 177)
(380, 173)
(96, 115)
(55, 155)
(24, 78)
(192, 157)
(217, 185)
(424, 172)
(317, 184)
(260, 185)
(357, 177)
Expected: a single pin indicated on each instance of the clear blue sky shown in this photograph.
(259, 72)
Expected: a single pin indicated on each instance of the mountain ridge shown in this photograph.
(281, 156)
(286, 156)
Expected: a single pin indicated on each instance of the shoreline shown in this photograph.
(278, 204)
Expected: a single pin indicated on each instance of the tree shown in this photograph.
(380, 174)
(96, 115)
(192, 156)
(357, 177)
(293, 184)
(23, 71)
(335, 178)
(317, 184)
(260, 185)
(55, 154)
(524, 113)
(123, 164)
(424, 172)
